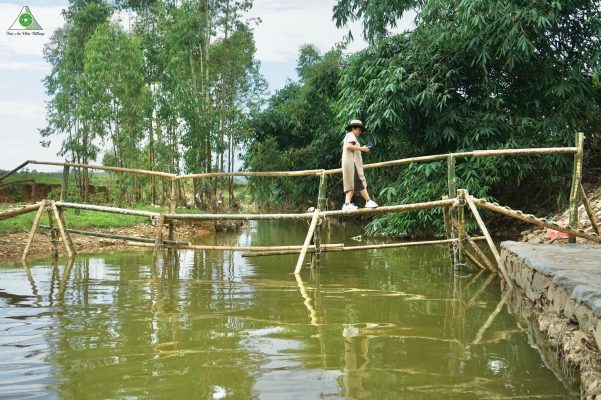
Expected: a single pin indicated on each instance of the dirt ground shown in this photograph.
(12, 245)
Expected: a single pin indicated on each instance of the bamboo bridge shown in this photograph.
(453, 204)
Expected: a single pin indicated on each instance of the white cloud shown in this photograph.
(288, 24)
(19, 123)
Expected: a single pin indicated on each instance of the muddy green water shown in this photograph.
(380, 324)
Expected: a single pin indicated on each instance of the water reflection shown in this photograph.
(382, 324)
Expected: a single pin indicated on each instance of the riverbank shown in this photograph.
(12, 245)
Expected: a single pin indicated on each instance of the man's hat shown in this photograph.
(354, 123)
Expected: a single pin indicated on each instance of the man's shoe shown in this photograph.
(349, 207)
(371, 204)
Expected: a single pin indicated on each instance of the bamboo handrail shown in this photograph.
(465, 154)
(118, 237)
(9, 173)
(313, 172)
(395, 245)
(534, 220)
(19, 211)
(105, 168)
(115, 210)
(309, 172)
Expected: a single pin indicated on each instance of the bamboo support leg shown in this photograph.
(158, 243)
(53, 235)
(489, 240)
(474, 260)
(589, 211)
(479, 251)
(34, 227)
(61, 229)
(461, 226)
(301, 257)
(576, 179)
(61, 215)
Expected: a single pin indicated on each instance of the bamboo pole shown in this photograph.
(61, 229)
(120, 237)
(461, 225)
(310, 172)
(452, 187)
(104, 168)
(321, 204)
(301, 257)
(53, 238)
(19, 211)
(292, 249)
(466, 154)
(479, 251)
(65, 183)
(589, 210)
(447, 219)
(576, 179)
(61, 216)
(534, 220)
(395, 245)
(114, 210)
(34, 227)
(158, 243)
(389, 209)
(489, 240)
(223, 217)
(13, 171)
(474, 260)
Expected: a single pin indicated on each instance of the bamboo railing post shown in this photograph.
(301, 257)
(321, 204)
(589, 211)
(452, 186)
(461, 225)
(34, 227)
(172, 206)
(33, 191)
(61, 229)
(576, 178)
(489, 240)
(65, 183)
(53, 235)
(448, 228)
(158, 243)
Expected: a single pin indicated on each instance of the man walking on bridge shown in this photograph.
(352, 167)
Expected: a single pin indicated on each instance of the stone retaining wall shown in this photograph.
(562, 297)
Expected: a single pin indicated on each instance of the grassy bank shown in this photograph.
(82, 219)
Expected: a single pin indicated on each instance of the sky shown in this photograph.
(285, 26)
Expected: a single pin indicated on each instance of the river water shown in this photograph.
(378, 324)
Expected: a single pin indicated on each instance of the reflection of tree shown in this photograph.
(126, 330)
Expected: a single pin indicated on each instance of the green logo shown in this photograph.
(25, 21)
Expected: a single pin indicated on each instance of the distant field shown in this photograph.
(82, 219)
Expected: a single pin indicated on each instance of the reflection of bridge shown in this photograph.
(453, 206)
